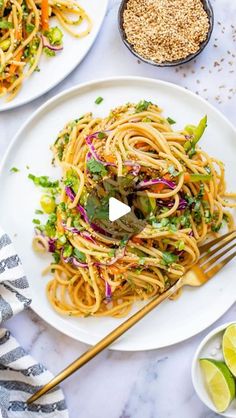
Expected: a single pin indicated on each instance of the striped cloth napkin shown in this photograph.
(20, 374)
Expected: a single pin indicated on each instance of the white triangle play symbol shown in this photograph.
(117, 209)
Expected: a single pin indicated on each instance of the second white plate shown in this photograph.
(170, 323)
(54, 69)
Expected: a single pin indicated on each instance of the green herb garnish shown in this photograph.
(79, 255)
(39, 212)
(195, 133)
(29, 27)
(4, 24)
(168, 258)
(49, 52)
(142, 106)
(14, 170)
(95, 167)
(99, 100)
(171, 121)
(54, 36)
(101, 135)
(43, 181)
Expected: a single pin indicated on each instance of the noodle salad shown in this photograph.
(180, 192)
(26, 34)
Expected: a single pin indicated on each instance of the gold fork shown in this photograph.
(198, 275)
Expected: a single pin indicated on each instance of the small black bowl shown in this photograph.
(208, 8)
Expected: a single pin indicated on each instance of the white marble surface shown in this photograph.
(153, 384)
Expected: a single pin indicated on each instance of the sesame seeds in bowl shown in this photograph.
(166, 32)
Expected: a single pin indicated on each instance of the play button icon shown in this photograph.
(117, 209)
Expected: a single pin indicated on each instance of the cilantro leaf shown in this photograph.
(171, 121)
(168, 258)
(79, 255)
(142, 106)
(95, 167)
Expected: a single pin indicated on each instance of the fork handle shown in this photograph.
(106, 341)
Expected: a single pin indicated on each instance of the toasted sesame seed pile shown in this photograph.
(165, 30)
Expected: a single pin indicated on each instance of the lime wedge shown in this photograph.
(220, 383)
(229, 348)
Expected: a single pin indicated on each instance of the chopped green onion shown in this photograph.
(54, 36)
(29, 27)
(48, 204)
(171, 121)
(79, 255)
(142, 106)
(101, 135)
(195, 133)
(4, 45)
(43, 181)
(14, 170)
(200, 177)
(99, 100)
(68, 250)
(49, 52)
(39, 212)
(56, 257)
(36, 221)
(4, 24)
(168, 258)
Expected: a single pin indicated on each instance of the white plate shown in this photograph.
(172, 321)
(54, 70)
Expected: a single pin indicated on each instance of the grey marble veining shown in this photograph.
(154, 384)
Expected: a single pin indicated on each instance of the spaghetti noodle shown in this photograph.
(180, 192)
(25, 33)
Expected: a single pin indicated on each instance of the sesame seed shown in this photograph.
(165, 30)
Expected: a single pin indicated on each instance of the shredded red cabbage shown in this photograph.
(51, 241)
(93, 151)
(82, 211)
(136, 166)
(120, 253)
(51, 245)
(46, 44)
(170, 203)
(74, 261)
(84, 234)
(108, 291)
(148, 183)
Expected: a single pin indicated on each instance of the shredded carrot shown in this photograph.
(13, 67)
(187, 177)
(115, 270)
(137, 240)
(18, 34)
(159, 187)
(140, 144)
(110, 158)
(45, 15)
(205, 196)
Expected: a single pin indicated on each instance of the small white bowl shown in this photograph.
(210, 347)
